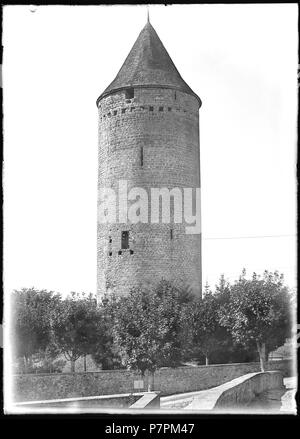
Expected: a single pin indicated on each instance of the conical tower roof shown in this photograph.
(148, 64)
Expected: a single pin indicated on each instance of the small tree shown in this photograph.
(207, 334)
(258, 312)
(75, 327)
(148, 328)
(32, 313)
(105, 353)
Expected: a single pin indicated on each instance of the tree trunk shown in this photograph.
(73, 366)
(150, 381)
(84, 362)
(206, 360)
(261, 347)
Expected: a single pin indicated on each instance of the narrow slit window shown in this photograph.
(125, 240)
(171, 233)
(110, 253)
(175, 96)
(129, 93)
(142, 156)
(110, 239)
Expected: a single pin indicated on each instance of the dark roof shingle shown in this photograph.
(148, 64)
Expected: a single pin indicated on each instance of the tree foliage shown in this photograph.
(32, 314)
(258, 313)
(208, 335)
(75, 327)
(148, 327)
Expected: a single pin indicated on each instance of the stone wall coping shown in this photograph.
(202, 366)
(149, 395)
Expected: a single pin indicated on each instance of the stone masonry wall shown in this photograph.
(167, 380)
(151, 141)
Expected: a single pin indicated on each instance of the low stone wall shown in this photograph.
(167, 380)
(243, 390)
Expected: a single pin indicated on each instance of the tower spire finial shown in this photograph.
(148, 15)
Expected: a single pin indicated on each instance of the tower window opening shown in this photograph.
(150, 108)
(119, 252)
(142, 156)
(110, 239)
(115, 112)
(175, 96)
(110, 254)
(171, 233)
(129, 93)
(161, 108)
(131, 252)
(125, 240)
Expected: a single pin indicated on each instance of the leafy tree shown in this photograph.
(148, 327)
(32, 313)
(105, 353)
(258, 313)
(207, 334)
(75, 327)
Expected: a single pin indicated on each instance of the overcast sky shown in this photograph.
(240, 59)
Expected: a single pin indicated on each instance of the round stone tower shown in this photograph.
(148, 139)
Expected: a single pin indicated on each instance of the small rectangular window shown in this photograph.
(171, 233)
(123, 110)
(129, 93)
(169, 109)
(110, 253)
(125, 240)
(115, 112)
(161, 108)
(142, 156)
(150, 108)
